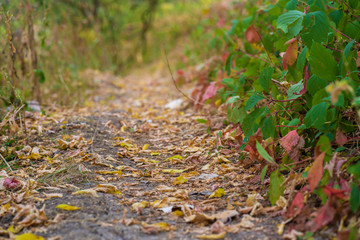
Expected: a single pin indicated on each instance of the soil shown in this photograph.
(131, 110)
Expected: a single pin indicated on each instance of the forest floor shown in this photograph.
(128, 166)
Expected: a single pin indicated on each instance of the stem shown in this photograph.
(344, 34)
(177, 88)
(4, 160)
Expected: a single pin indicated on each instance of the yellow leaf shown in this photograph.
(107, 188)
(176, 157)
(137, 205)
(105, 172)
(179, 180)
(218, 193)
(218, 102)
(127, 145)
(68, 207)
(173, 170)
(189, 174)
(35, 153)
(145, 147)
(91, 192)
(28, 236)
(154, 153)
(178, 213)
(212, 236)
(15, 230)
(5, 207)
(163, 226)
(63, 144)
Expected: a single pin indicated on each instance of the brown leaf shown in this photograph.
(252, 35)
(341, 139)
(316, 171)
(325, 215)
(290, 55)
(292, 143)
(296, 205)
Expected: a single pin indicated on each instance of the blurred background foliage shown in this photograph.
(70, 36)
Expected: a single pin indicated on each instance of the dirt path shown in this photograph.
(136, 170)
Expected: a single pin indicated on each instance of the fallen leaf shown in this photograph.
(107, 188)
(90, 191)
(68, 207)
(246, 222)
(212, 236)
(106, 172)
(296, 205)
(218, 193)
(28, 236)
(179, 180)
(11, 184)
(172, 171)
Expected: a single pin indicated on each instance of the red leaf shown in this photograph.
(296, 205)
(292, 143)
(341, 139)
(316, 171)
(325, 215)
(210, 91)
(329, 191)
(11, 184)
(251, 145)
(290, 55)
(252, 35)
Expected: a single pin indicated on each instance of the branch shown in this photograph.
(177, 88)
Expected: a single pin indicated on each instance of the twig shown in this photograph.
(344, 34)
(177, 88)
(4, 160)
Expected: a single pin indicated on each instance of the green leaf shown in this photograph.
(288, 18)
(316, 116)
(268, 129)
(252, 121)
(300, 63)
(253, 100)
(200, 120)
(236, 115)
(263, 173)
(229, 82)
(295, 28)
(294, 90)
(348, 47)
(265, 78)
(336, 16)
(354, 199)
(319, 97)
(233, 99)
(275, 189)
(291, 5)
(40, 74)
(319, 30)
(322, 62)
(353, 3)
(315, 84)
(228, 63)
(264, 153)
(355, 170)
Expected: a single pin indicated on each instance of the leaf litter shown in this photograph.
(128, 167)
